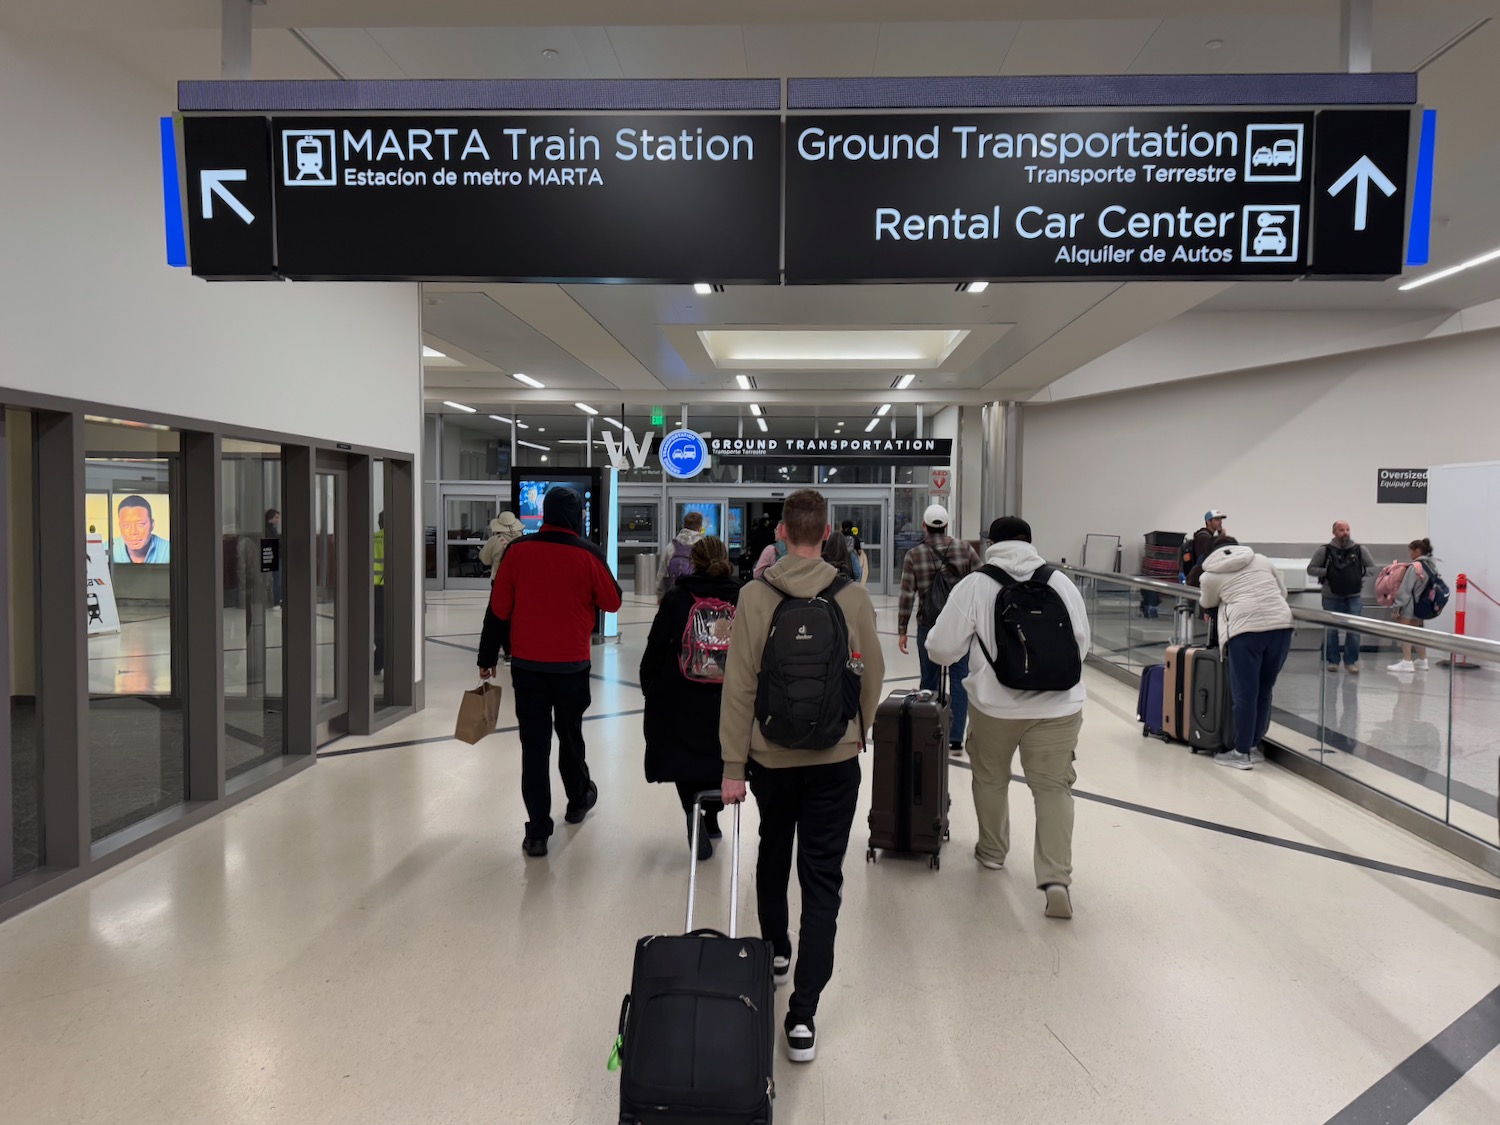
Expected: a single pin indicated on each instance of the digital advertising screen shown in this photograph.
(529, 494)
(712, 513)
(735, 531)
(140, 525)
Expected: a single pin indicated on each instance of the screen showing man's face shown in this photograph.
(136, 526)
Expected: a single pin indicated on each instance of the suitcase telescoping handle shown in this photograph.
(715, 797)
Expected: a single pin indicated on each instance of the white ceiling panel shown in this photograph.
(355, 52)
(943, 48)
(474, 323)
(166, 56)
(1251, 44)
(598, 52)
(1078, 46)
(813, 50)
(705, 51)
(485, 52)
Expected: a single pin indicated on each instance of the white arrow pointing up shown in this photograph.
(213, 184)
(1362, 175)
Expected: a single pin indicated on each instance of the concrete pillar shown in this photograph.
(1357, 35)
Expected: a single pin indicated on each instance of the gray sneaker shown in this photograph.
(1233, 759)
(1257, 755)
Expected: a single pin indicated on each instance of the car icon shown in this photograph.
(1275, 155)
(1270, 240)
(309, 158)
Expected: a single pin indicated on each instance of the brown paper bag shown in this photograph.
(478, 712)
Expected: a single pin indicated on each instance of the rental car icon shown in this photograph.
(1270, 240)
(1283, 151)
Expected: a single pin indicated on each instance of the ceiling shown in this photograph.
(641, 344)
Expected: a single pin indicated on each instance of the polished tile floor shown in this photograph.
(366, 943)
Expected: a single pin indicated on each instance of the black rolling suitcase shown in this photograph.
(909, 805)
(698, 1029)
(1211, 714)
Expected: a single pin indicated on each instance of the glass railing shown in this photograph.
(1429, 739)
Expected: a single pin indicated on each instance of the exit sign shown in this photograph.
(658, 416)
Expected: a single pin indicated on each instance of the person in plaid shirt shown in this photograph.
(939, 552)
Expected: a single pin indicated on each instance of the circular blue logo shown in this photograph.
(683, 454)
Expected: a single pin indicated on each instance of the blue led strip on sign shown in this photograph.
(1017, 92)
(480, 95)
(1419, 244)
(171, 194)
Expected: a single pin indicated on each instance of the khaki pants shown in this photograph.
(1047, 747)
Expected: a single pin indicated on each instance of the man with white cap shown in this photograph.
(1205, 539)
(930, 570)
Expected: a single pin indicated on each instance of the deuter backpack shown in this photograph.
(1035, 648)
(938, 593)
(1432, 598)
(1346, 571)
(807, 694)
(705, 641)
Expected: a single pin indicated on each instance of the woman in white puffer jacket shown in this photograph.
(1255, 627)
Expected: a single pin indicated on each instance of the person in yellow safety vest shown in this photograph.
(380, 596)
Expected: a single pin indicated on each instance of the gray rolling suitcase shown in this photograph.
(1210, 710)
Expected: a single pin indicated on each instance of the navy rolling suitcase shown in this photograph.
(698, 1028)
(1148, 704)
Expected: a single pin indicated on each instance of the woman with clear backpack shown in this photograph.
(682, 675)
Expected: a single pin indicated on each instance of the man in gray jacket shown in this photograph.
(1341, 566)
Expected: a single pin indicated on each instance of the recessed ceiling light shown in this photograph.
(549, 53)
(533, 445)
(432, 353)
(885, 408)
(833, 472)
(976, 287)
(905, 381)
(1214, 44)
(541, 429)
(1483, 259)
(870, 429)
(763, 427)
(744, 381)
(585, 407)
(544, 457)
(529, 381)
(755, 409)
(703, 288)
(460, 406)
(616, 423)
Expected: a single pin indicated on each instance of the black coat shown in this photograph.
(682, 717)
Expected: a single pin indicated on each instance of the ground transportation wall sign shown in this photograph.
(1088, 195)
(832, 451)
(666, 198)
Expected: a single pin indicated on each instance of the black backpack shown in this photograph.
(1346, 571)
(937, 594)
(807, 694)
(1035, 646)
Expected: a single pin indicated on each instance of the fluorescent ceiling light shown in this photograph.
(1483, 259)
(533, 445)
(763, 427)
(833, 472)
(978, 286)
(870, 429)
(743, 381)
(615, 422)
(585, 407)
(885, 409)
(432, 353)
(461, 406)
(529, 381)
(905, 381)
(510, 422)
(703, 288)
(776, 348)
(755, 409)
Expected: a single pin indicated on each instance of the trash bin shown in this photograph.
(645, 575)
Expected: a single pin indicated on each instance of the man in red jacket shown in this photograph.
(547, 595)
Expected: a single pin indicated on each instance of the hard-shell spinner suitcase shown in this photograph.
(698, 1028)
(909, 803)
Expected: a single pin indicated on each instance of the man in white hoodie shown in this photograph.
(1255, 624)
(1044, 725)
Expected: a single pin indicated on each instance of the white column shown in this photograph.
(1356, 35)
(235, 26)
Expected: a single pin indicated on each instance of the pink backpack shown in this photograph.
(705, 641)
(1389, 582)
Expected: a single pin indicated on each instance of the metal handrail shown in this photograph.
(1476, 647)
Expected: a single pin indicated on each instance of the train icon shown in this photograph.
(308, 158)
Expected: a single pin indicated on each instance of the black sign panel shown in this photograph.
(1047, 195)
(832, 451)
(230, 225)
(1360, 195)
(270, 555)
(631, 198)
(1401, 486)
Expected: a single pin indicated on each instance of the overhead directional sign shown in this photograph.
(231, 235)
(1360, 191)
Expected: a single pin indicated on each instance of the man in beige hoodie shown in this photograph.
(804, 795)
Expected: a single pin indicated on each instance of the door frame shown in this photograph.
(333, 716)
(500, 493)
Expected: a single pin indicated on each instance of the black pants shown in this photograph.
(379, 629)
(546, 701)
(814, 805)
(687, 790)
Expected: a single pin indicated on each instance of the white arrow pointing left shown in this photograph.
(213, 184)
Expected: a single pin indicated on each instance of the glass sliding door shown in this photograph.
(867, 519)
(330, 540)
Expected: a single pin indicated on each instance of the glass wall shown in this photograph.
(254, 585)
(137, 747)
(21, 561)
(327, 582)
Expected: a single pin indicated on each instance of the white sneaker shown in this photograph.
(1401, 666)
(1422, 666)
(781, 970)
(993, 865)
(1059, 902)
(801, 1042)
